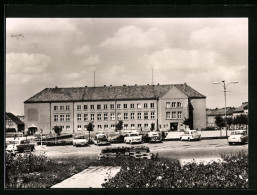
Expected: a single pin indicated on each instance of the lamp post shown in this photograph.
(224, 85)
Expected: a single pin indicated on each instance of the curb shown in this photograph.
(202, 138)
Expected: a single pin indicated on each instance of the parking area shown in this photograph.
(177, 149)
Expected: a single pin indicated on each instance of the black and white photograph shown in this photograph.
(126, 103)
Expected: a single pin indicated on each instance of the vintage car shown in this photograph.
(20, 145)
(154, 137)
(238, 136)
(142, 152)
(101, 139)
(190, 135)
(131, 138)
(79, 140)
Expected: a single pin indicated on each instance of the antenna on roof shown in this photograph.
(94, 78)
(152, 76)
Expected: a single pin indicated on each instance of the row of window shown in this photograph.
(174, 115)
(173, 105)
(105, 116)
(105, 106)
(106, 127)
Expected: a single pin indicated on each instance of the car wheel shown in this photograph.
(32, 149)
(21, 150)
(199, 139)
(230, 143)
(188, 139)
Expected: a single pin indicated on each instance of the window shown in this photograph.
(99, 116)
(92, 107)
(152, 115)
(145, 105)
(119, 116)
(105, 126)
(62, 127)
(125, 116)
(105, 106)
(125, 126)
(167, 115)
(85, 107)
(139, 115)
(78, 107)
(112, 116)
(105, 116)
(179, 104)
(85, 117)
(55, 107)
(98, 106)
(99, 126)
(79, 128)
(67, 107)
(112, 126)
(125, 106)
(173, 104)
(132, 116)
(139, 126)
(78, 117)
(55, 117)
(179, 114)
(118, 106)
(139, 105)
(67, 117)
(152, 105)
(146, 115)
(132, 126)
(68, 127)
(61, 107)
(112, 106)
(146, 126)
(167, 104)
(92, 117)
(132, 106)
(174, 115)
(61, 117)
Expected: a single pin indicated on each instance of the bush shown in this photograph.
(163, 173)
(59, 143)
(119, 139)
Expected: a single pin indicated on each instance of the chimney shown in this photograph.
(56, 87)
(110, 85)
(124, 85)
(104, 85)
(85, 86)
(147, 84)
(158, 84)
(135, 84)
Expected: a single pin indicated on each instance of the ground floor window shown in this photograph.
(132, 126)
(99, 127)
(112, 126)
(105, 126)
(79, 127)
(125, 126)
(68, 127)
(146, 126)
(139, 126)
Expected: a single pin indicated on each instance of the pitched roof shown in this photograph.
(14, 118)
(110, 93)
(241, 108)
(219, 112)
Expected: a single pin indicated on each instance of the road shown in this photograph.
(204, 149)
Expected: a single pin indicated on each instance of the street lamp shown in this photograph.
(224, 85)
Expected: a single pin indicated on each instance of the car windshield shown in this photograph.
(14, 142)
(133, 135)
(80, 137)
(238, 133)
(187, 132)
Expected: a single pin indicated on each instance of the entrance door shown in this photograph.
(173, 126)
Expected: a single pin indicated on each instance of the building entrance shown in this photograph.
(173, 126)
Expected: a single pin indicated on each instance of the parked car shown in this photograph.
(20, 145)
(101, 139)
(131, 138)
(154, 137)
(190, 135)
(238, 136)
(79, 140)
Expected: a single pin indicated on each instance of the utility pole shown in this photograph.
(223, 84)
(94, 78)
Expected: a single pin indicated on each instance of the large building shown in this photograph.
(13, 123)
(140, 107)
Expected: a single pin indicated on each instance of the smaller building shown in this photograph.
(212, 113)
(243, 109)
(13, 123)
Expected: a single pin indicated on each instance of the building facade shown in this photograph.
(12, 123)
(140, 107)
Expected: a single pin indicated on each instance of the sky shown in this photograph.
(47, 52)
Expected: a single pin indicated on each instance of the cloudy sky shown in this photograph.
(44, 53)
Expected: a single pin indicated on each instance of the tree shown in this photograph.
(229, 122)
(89, 127)
(57, 130)
(119, 126)
(152, 127)
(187, 122)
(219, 121)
